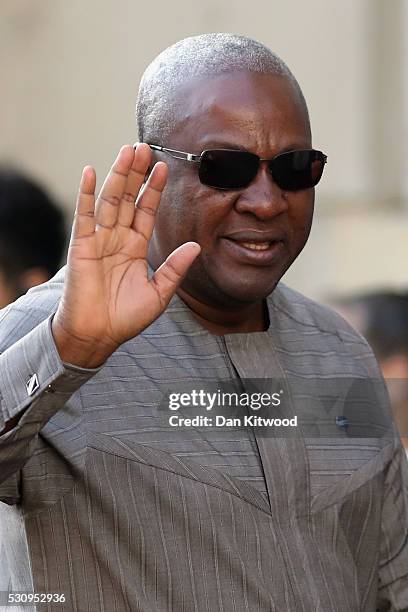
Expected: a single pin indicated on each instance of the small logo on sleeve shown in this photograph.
(32, 384)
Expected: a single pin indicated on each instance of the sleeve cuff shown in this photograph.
(32, 368)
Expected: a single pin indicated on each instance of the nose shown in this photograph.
(262, 197)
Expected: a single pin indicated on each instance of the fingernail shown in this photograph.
(195, 245)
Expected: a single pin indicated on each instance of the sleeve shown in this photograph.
(33, 379)
(393, 564)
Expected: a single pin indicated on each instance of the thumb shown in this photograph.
(172, 271)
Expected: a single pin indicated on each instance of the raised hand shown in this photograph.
(108, 297)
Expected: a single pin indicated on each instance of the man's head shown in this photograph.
(220, 91)
(32, 236)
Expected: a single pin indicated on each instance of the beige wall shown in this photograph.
(69, 73)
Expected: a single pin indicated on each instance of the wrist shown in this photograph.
(82, 352)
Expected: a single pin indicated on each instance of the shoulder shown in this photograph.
(307, 313)
(307, 324)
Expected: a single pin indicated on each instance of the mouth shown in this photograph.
(254, 251)
(255, 246)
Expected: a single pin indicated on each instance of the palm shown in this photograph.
(114, 262)
(107, 290)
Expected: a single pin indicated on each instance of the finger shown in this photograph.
(84, 221)
(136, 177)
(107, 204)
(168, 277)
(149, 200)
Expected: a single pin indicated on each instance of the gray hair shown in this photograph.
(197, 57)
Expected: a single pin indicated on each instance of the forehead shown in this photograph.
(251, 109)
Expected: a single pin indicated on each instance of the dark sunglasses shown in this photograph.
(233, 169)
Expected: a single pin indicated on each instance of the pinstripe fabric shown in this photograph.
(122, 512)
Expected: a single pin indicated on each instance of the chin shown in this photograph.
(226, 287)
(247, 291)
(252, 294)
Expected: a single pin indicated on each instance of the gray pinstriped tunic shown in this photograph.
(105, 503)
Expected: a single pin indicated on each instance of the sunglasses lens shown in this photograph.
(225, 169)
(297, 170)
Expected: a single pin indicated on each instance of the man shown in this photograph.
(32, 235)
(122, 510)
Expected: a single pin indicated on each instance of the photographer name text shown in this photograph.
(221, 421)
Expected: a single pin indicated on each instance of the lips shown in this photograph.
(251, 236)
(255, 247)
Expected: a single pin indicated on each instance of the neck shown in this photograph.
(246, 319)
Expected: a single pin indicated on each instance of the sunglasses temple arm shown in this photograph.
(177, 154)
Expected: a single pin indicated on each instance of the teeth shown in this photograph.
(256, 246)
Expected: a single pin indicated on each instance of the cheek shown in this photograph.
(175, 216)
(212, 212)
(200, 214)
(301, 216)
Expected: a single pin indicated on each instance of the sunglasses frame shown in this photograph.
(196, 159)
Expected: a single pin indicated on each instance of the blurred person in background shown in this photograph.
(32, 235)
(382, 318)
